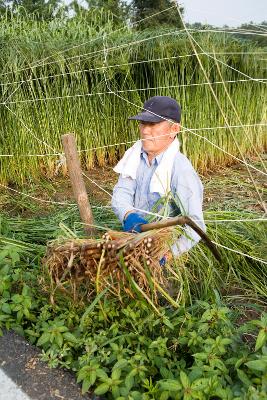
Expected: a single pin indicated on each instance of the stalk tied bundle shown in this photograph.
(120, 261)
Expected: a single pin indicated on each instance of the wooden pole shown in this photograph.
(77, 182)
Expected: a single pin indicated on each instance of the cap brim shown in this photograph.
(147, 117)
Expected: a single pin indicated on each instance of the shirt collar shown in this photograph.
(157, 159)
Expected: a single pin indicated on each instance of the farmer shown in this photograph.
(155, 177)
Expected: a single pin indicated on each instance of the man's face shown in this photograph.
(157, 136)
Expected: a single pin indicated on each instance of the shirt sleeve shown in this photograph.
(189, 195)
(123, 196)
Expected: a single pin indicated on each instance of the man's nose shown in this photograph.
(146, 130)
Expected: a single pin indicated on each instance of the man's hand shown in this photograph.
(133, 222)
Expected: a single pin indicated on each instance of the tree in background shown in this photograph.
(261, 39)
(5, 7)
(122, 11)
(42, 9)
(144, 8)
(257, 32)
(118, 8)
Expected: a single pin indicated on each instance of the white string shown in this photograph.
(127, 64)
(241, 253)
(217, 244)
(222, 62)
(33, 155)
(262, 80)
(263, 27)
(126, 100)
(37, 198)
(131, 141)
(87, 42)
(113, 48)
(91, 180)
(200, 220)
(14, 91)
(226, 152)
(130, 102)
(192, 40)
(85, 175)
(230, 31)
(105, 50)
(228, 126)
(176, 32)
(166, 119)
(237, 220)
(29, 130)
(257, 259)
(137, 209)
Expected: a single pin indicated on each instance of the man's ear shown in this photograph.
(175, 129)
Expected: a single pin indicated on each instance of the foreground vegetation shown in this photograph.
(71, 90)
(203, 348)
(125, 350)
(199, 275)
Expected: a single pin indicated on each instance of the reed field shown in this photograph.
(104, 307)
(51, 87)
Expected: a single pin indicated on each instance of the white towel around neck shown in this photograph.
(161, 179)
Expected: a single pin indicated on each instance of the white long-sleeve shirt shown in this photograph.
(186, 188)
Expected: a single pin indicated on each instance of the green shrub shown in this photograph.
(125, 351)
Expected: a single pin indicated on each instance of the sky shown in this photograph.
(225, 12)
(221, 12)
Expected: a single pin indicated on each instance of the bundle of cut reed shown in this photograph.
(118, 261)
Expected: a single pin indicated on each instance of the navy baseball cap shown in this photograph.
(163, 106)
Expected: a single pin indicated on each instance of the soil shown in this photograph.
(21, 362)
(230, 188)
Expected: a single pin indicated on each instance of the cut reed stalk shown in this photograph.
(113, 259)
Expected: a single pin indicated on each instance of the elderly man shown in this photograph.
(155, 177)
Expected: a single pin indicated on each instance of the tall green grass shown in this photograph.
(236, 275)
(101, 120)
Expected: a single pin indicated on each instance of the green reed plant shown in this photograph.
(52, 105)
(195, 277)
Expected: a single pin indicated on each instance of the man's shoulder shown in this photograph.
(182, 163)
(184, 174)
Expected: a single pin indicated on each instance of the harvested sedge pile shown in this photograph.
(119, 261)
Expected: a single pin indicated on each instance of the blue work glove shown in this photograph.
(133, 222)
(163, 261)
